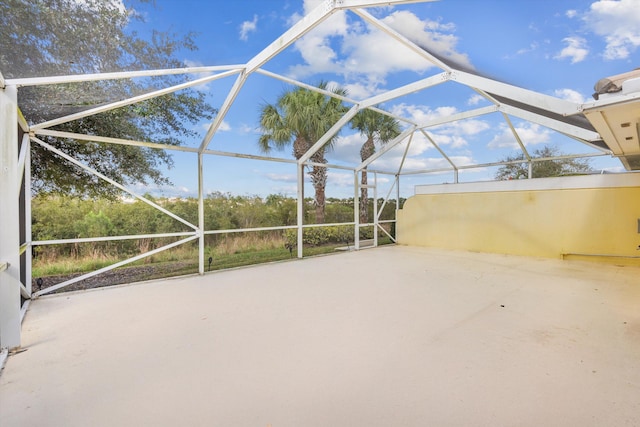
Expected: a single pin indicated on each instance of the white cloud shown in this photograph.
(248, 27)
(576, 49)
(572, 13)
(246, 129)
(475, 99)
(432, 35)
(455, 141)
(422, 113)
(469, 127)
(453, 133)
(347, 149)
(451, 137)
(318, 56)
(224, 126)
(281, 177)
(619, 23)
(570, 95)
(431, 163)
(340, 179)
(530, 134)
(354, 50)
(203, 87)
(363, 89)
(532, 47)
(315, 48)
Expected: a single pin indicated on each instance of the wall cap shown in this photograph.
(631, 179)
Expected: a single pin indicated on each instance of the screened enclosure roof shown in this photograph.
(607, 126)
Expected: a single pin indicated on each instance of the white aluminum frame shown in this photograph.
(14, 165)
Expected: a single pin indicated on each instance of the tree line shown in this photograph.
(94, 36)
(65, 217)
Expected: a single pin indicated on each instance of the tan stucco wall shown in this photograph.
(575, 217)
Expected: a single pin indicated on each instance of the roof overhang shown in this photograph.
(615, 115)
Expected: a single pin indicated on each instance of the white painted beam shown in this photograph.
(402, 39)
(440, 150)
(518, 139)
(604, 102)
(405, 90)
(598, 120)
(388, 146)
(300, 209)
(77, 78)
(526, 96)
(9, 220)
(108, 140)
(133, 100)
(22, 122)
(306, 86)
(200, 230)
(460, 116)
(329, 134)
(22, 158)
(223, 110)
(27, 218)
(579, 133)
(112, 182)
(113, 266)
(404, 158)
(110, 238)
(333, 95)
(349, 4)
(299, 29)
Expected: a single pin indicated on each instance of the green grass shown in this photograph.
(180, 261)
(70, 266)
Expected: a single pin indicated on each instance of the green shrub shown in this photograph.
(317, 236)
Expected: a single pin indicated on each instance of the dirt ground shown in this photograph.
(115, 277)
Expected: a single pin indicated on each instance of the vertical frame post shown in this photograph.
(200, 214)
(395, 234)
(9, 220)
(27, 217)
(300, 173)
(375, 209)
(356, 210)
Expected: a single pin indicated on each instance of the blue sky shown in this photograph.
(559, 48)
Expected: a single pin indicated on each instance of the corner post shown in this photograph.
(9, 220)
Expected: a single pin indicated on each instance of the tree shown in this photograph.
(542, 168)
(377, 128)
(60, 37)
(300, 117)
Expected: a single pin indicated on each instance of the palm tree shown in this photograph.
(301, 116)
(377, 128)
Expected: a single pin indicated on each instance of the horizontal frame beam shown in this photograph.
(112, 266)
(109, 238)
(79, 78)
(133, 100)
(112, 182)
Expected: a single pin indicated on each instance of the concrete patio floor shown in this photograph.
(394, 336)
